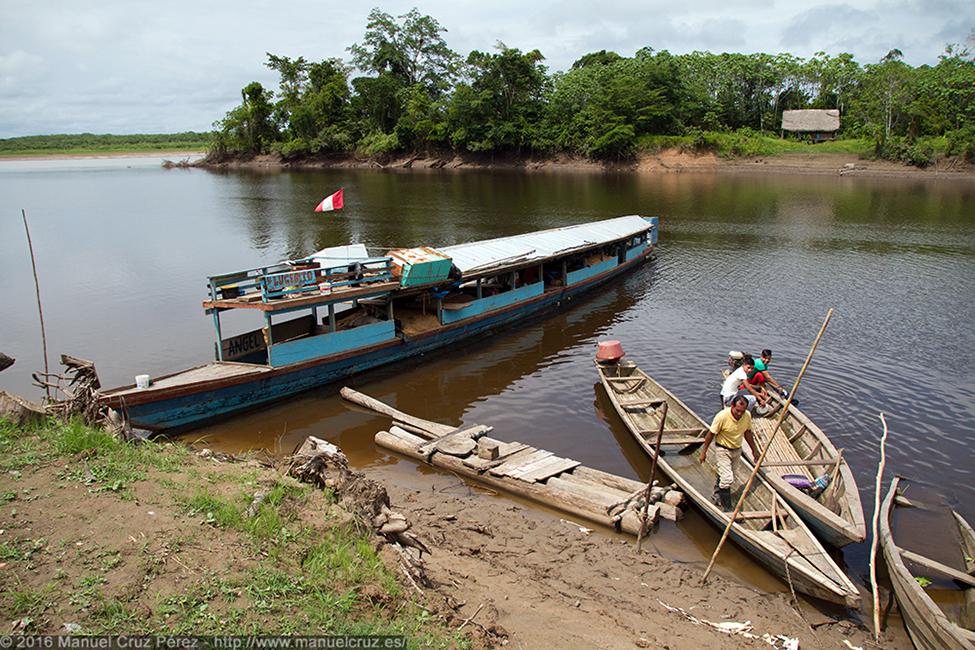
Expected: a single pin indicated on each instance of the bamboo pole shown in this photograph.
(873, 544)
(768, 445)
(653, 470)
(40, 312)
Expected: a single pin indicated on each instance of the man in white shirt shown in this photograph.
(732, 385)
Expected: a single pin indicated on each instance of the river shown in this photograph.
(745, 261)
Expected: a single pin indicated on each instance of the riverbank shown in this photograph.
(667, 161)
(99, 536)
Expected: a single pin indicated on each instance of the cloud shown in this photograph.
(129, 66)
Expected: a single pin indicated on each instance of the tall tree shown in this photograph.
(410, 48)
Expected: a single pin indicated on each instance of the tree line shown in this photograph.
(412, 93)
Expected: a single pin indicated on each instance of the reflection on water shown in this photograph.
(745, 262)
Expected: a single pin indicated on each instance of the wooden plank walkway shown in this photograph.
(521, 469)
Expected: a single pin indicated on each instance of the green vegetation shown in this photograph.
(416, 95)
(149, 539)
(89, 143)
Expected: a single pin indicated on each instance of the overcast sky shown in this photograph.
(131, 66)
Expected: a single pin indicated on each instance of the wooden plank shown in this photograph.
(518, 460)
(606, 498)
(620, 483)
(551, 467)
(754, 514)
(799, 463)
(473, 433)
(688, 440)
(530, 466)
(954, 574)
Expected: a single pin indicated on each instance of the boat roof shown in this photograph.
(505, 251)
(339, 255)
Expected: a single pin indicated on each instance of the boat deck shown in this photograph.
(338, 294)
(211, 371)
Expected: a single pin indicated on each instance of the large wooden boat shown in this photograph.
(929, 627)
(767, 527)
(377, 310)
(800, 454)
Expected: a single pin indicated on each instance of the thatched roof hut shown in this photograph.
(813, 120)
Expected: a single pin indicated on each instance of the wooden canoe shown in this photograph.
(767, 528)
(801, 449)
(929, 627)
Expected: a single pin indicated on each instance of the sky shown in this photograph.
(133, 66)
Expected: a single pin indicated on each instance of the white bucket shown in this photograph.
(142, 381)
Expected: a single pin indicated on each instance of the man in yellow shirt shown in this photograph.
(728, 428)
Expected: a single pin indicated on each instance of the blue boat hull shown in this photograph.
(195, 405)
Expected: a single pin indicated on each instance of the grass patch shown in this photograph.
(747, 143)
(284, 573)
(107, 463)
(90, 143)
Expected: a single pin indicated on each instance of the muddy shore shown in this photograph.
(101, 538)
(669, 161)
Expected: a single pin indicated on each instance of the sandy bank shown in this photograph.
(552, 582)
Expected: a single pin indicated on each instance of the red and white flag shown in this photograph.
(330, 202)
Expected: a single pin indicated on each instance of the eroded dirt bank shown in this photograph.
(670, 161)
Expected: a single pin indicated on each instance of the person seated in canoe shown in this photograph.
(761, 375)
(737, 384)
(728, 428)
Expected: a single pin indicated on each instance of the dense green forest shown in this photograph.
(104, 143)
(417, 95)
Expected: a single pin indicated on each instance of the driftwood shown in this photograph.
(321, 463)
(5, 361)
(431, 429)
(873, 544)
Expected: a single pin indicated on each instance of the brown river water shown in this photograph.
(744, 262)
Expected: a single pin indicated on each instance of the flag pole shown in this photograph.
(768, 445)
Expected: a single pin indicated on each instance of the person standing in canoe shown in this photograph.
(728, 428)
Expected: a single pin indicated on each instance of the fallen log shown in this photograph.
(433, 429)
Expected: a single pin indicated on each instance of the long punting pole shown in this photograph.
(768, 445)
(40, 312)
(876, 521)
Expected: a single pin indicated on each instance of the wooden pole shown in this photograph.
(40, 312)
(873, 543)
(768, 445)
(653, 470)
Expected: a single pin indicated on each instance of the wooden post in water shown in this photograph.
(768, 445)
(40, 312)
(873, 543)
(653, 470)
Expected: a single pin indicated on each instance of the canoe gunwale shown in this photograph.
(926, 623)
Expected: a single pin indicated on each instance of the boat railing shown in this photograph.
(299, 280)
(296, 278)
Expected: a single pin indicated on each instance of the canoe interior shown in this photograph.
(767, 526)
(932, 615)
(801, 449)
